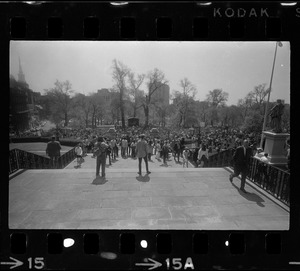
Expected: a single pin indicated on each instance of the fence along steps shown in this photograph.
(20, 159)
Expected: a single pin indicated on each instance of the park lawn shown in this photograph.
(38, 148)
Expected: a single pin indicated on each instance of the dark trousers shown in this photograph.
(116, 152)
(176, 153)
(101, 160)
(109, 157)
(165, 157)
(140, 163)
(132, 152)
(241, 169)
(53, 161)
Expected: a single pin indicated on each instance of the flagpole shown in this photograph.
(267, 104)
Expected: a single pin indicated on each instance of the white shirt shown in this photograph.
(78, 150)
(201, 152)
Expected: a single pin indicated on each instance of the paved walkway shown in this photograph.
(170, 197)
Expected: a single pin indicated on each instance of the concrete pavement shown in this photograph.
(171, 197)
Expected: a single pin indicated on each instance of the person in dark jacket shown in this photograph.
(100, 153)
(53, 151)
(241, 158)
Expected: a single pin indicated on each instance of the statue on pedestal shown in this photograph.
(275, 114)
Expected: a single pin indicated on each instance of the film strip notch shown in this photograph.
(236, 243)
(199, 28)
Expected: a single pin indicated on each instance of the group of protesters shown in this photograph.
(208, 142)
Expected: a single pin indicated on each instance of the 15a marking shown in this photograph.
(36, 263)
(176, 263)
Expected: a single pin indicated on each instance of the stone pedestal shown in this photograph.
(274, 147)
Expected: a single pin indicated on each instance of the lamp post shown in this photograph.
(270, 87)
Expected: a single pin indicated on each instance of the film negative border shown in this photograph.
(148, 249)
(165, 249)
(138, 21)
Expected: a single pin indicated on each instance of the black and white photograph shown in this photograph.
(149, 135)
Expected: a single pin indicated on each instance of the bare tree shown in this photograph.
(120, 72)
(61, 97)
(246, 105)
(188, 95)
(156, 79)
(217, 97)
(259, 93)
(135, 92)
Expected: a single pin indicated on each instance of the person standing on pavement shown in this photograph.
(185, 156)
(203, 155)
(133, 149)
(53, 151)
(141, 153)
(100, 153)
(165, 152)
(241, 158)
(79, 153)
(113, 144)
(124, 146)
(149, 149)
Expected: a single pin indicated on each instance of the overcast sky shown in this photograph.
(235, 67)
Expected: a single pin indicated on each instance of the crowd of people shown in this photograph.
(182, 145)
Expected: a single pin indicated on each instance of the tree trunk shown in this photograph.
(122, 109)
(146, 110)
(66, 119)
(134, 110)
(93, 118)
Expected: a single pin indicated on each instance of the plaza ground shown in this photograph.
(171, 197)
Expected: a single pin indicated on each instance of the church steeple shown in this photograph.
(21, 76)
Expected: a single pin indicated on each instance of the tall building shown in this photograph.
(162, 93)
(105, 94)
(23, 111)
(21, 75)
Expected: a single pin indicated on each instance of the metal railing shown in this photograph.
(272, 179)
(20, 159)
(66, 158)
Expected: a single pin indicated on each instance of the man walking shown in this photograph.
(124, 146)
(241, 159)
(141, 153)
(100, 153)
(53, 151)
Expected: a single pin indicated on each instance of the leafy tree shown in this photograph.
(253, 123)
(83, 106)
(234, 116)
(245, 105)
(258, 96)
(61, 102)
(217, 97)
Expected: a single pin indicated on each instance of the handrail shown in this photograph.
(20, 159)
(272, 179)
(66, 158)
